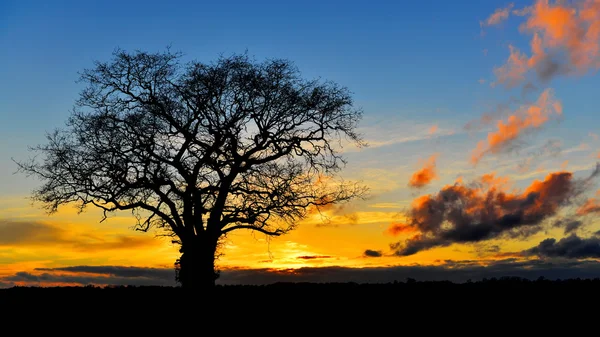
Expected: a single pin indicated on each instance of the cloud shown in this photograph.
(572, 247)
(499, 15)
(425, 175)
(551, 147)
(396, 229)
(483, 249)
(486, 119)
(32, 233)
(387, 132)
(393, 205)
(313, 257)
(118, 242)
(433, 129)
(96, 275)
(591, 206)
(118, 271)
(569, 225)
(565, 39)
(4, 285)
(454, 271)
(527, 118)
(372, 253)
(331, 214)
(24, 232)
(485, 210)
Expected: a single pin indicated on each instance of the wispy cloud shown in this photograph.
(499, 16)
(39, 234)
(525, 119)
(591, 206)
(393, 132)
(433, 129)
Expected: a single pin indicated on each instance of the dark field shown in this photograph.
(507, 305)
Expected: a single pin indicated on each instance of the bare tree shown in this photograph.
(199, 150)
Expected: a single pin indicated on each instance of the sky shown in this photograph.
(481, 119)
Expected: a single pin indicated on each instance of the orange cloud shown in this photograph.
(425, 175)
(468, 213)
(492, 181)
(565, 40)
(592, 205)
(396, 229)
(528, 118)
(513, 71)
(433, 129)
(500, 15)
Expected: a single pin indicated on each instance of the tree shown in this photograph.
(199, 150)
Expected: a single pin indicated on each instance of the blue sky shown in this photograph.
(412, 60)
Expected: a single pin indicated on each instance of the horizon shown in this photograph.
(490, 103)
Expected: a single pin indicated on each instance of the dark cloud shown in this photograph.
(569, 225)
(550, 67)
(483, 210)
(4, 285)
(313, 257)
(99, 275)
(483, 249)
(572, 247)
(23, 276)
(119, 271)
(454, 271)
(372, 253)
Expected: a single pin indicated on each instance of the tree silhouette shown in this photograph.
(200, 150)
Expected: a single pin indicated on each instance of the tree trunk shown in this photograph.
(196, 266)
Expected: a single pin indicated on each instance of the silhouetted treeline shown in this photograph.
(298, 292)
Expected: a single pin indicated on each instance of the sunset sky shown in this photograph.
(490, 103)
